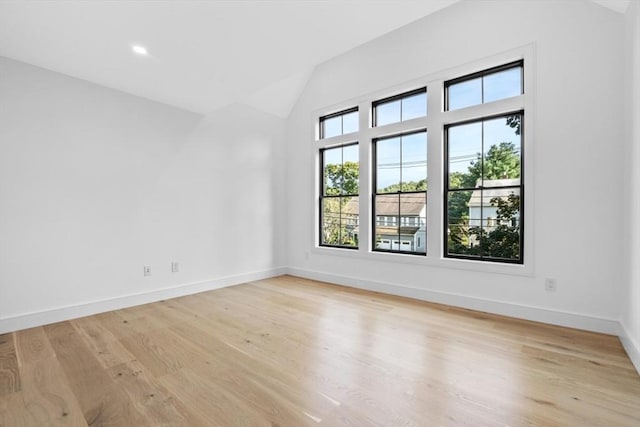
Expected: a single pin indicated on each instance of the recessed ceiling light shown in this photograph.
(140, 50)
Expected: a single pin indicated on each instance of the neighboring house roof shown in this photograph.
(410, 204)
(488, 192)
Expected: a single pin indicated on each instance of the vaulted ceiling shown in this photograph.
(202, 54)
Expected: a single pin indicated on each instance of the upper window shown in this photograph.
(339, 123)
(485, 86)
(339, 202)
(400, 108)
(400, 197)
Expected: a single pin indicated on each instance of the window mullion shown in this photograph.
(435, 186)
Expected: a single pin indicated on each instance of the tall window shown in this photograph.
(484, 187)
(400, 197)
(339, 203)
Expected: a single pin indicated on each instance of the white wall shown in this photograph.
(95, 183)
(631, 300)
(577, 224)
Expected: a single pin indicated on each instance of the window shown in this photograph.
(486, 86)
(484, 189)
(400, 108)
(468, 130)
(400, 197)
(339, 202)
(339, 123)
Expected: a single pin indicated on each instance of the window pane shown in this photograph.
(500, 234)
(387, 214)
(388, 165)
(465, 146)
(332, 127)
(465, 94)
(332, 173)
(349, 221)
(331, 221)
(412, 230)
(340, 221)
(414, 162)
(350, 122)
(461, 217)
(386, 113)
(414, 106)
(503, 84)
(351, 169)
(502, 150)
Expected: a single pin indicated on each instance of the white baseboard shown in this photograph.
(631, 346)
(30, 320)
(537, 314)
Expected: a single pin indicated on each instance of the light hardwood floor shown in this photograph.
(294, 352)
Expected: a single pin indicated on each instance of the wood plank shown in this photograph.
(102, 402)
(9, 372)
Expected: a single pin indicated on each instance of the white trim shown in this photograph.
(631, 346)
(504, 308)
(45, 317)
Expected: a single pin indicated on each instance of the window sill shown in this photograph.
(428, 261)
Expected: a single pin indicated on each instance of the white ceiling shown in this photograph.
(203, 54)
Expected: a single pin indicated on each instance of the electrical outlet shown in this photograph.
(175, 267)
(550, 285)
(147, 270)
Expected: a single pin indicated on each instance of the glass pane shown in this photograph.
(465, 94)
(413, 215)
(500, 234)
(465, 146)
(462, 216)
(350, 122)
(503, 84)
(332, 127)
(349, 221)
(332, 164)
(387, 218)
(502, 151)
(386, 113)
(414, 106)
(350, 169)
(414, 162)
(331, 221)
(388, 165)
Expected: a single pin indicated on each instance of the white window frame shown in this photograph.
(434, 122)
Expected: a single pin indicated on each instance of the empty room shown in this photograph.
(320, 213)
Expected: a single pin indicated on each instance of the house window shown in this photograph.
(399, 108)
(339, 123)
(484, 188)
(485, 86)
(339, 202)
(400, 192)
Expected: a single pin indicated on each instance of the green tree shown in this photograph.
(341, 178)
(338, 215)
(503, 240)
(406, 186)
(502, 161)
